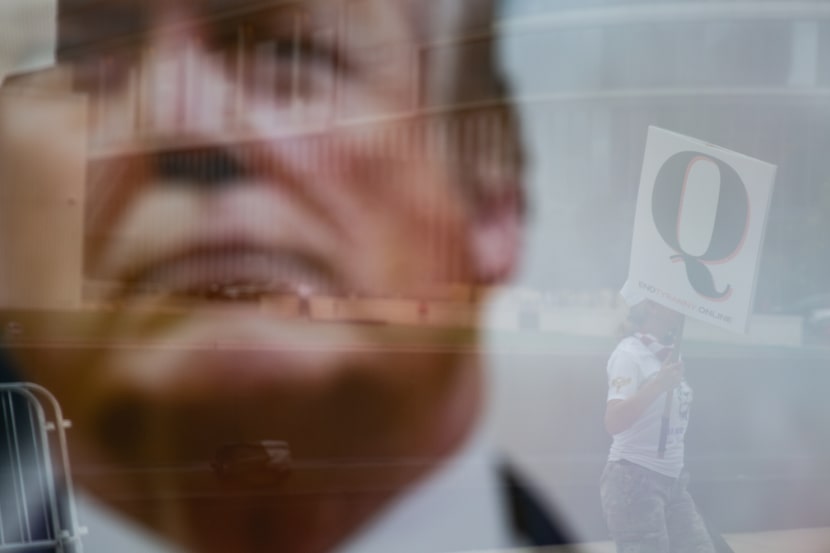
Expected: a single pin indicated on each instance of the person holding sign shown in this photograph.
(643, 488)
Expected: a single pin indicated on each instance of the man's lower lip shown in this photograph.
(227, 275)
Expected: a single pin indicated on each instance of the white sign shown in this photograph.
(699, 227)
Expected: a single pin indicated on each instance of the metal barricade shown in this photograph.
(37, 505)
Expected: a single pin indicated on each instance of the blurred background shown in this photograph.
(27, 32)
(590, 77)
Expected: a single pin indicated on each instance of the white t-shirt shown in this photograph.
(631, 365)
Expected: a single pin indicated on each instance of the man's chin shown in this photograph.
(347, 425)
(157, 395)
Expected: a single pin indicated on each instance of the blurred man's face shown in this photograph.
(237, 162)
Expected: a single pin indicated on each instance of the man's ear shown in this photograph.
(497, 232)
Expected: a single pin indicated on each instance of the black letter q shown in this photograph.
(731, 218)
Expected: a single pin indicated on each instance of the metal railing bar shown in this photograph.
(55, 519)
(8, 415)
(42, 484)
(31, 545)
(61, 528)
(61, 424)
(25, 525)
(5, 433)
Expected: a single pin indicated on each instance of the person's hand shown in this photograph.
(669, 375)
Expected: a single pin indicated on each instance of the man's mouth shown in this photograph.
(231, 272)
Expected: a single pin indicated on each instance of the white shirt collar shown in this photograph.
(458, 508)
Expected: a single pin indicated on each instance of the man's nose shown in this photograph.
(188, 90)
(188, 102)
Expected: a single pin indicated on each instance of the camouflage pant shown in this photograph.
(647, 512)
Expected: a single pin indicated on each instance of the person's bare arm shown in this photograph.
(620, 414)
